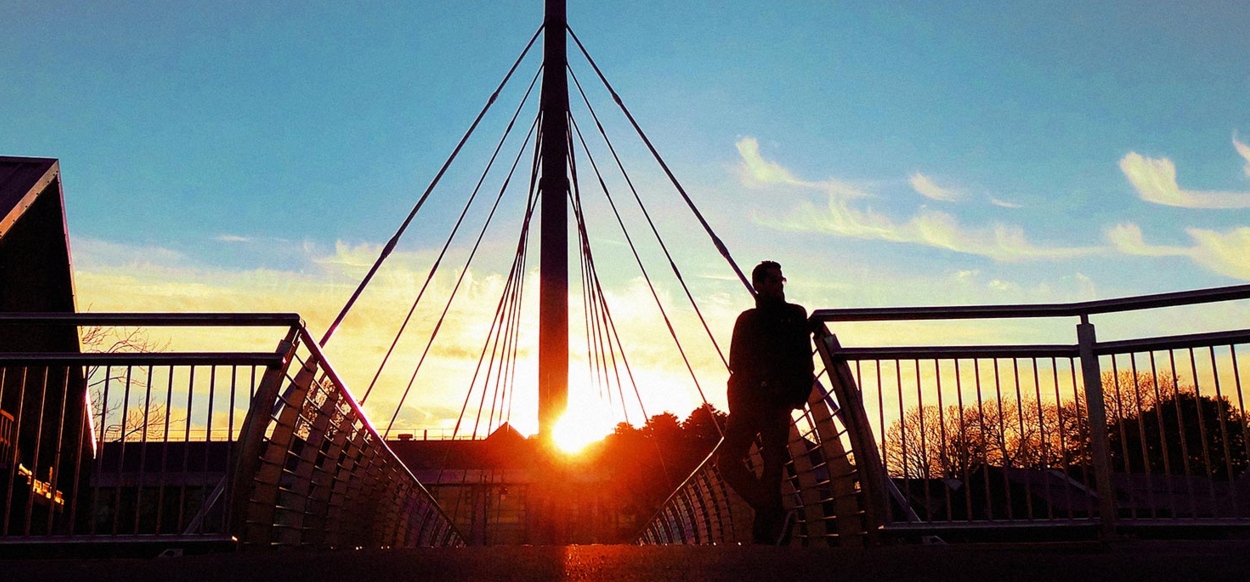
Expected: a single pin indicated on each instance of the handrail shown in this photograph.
(957, 352)
(324, 363)
(142, 358)
(155, 319)
(1035, 310)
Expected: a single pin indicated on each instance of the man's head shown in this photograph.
(768, 281)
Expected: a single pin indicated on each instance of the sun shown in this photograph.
(574, 432)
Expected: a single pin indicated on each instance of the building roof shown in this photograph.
(22, 180)
(36, 273)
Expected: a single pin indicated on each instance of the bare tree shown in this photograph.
(140, 421)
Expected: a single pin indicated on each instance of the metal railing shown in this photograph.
(254, 448)
(1145, 432)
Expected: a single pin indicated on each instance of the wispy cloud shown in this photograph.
(233, 238)
(755, 170)
(1004, 203)
(923, 185)
(1244, 150)
(1155, 181)
(1226, 253)
(927, 227)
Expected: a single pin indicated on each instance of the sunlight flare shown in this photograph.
(578, 429)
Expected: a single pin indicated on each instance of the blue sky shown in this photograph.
(240, 156)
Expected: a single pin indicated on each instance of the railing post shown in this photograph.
(1092, 376)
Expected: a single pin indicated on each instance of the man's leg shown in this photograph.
(775, 438)
(740, 431)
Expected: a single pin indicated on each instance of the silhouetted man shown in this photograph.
(770, 362)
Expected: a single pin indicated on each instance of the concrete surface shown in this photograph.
(1190, 560)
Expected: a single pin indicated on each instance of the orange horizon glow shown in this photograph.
(573, 433)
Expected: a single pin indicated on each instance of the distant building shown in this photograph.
(505, 489)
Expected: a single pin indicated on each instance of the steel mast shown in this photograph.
(553, 186)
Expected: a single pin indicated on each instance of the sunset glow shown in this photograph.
(574, 431)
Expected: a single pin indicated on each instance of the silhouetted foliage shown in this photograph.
(1183, 433)
(647, 464)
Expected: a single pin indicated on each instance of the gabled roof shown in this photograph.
(36, 274)
(22, 180)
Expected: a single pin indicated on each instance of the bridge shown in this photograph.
(264, 446)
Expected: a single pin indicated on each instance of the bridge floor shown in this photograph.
(1206, 561)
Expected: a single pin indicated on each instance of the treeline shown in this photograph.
(1154, 423)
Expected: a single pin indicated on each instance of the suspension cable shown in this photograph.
(595, 303)
(390, 244)
(659, 304)
(609, 325)
(518, 272)
(450, 237)
(469, 261)
(720, 245)
(654, 230)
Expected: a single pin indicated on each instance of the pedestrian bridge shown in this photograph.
(266, 449)
(1059, 435)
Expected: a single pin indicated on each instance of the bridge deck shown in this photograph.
(1137, 560)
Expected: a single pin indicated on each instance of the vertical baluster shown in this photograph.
(1141, 430)
(945, 463)
(985, 466)
(35, 465)
(84, 430)
(1241, 408)
(163, 483)
(1167, 476)
(1063, 444)
(54, 481)
(1202, 430)
(1224, 439)
(99, 453)
(1007, 459)
(1023, 447)
(122, 436)
(141, 476)
(15, 455)
(965, 459)
(1044, 454)
(186, 449)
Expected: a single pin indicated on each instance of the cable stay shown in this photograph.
(655, 231)
(394, 240)
(720, 245)
(638, 259)
(600, 327)
(446, 245)
(507, 318)
(460, 280)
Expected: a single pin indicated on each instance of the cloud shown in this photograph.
(756, 171)
(232, 238)
(1155, 181)
(925, 187)
(928, 227)
(1244, 150)
(1226, 253)
(118, 277)
(1004, 203)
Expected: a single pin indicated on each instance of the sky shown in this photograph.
(241, 156)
